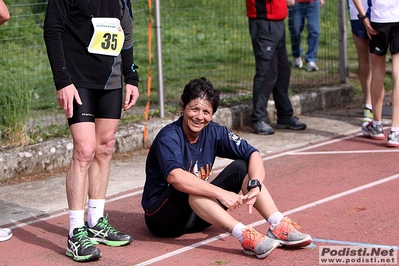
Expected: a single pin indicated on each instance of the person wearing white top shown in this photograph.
(381, 19)
(361, 41)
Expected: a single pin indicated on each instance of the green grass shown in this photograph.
(199, 38)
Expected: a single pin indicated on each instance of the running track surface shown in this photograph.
(343, 192)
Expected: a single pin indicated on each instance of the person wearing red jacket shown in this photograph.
(267, 30)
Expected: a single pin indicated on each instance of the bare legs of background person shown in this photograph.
(364, 69)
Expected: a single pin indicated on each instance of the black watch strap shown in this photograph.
(253, 184)
(361, 17)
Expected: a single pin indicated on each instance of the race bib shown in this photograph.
(108, 37)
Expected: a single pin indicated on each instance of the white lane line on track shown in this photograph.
(355, 244)
(221, 236)
(341, 152)
(18, 224)
(293, 152)
(301, 208)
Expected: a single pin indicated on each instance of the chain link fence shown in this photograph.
(199, 38)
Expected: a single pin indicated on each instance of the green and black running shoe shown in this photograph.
(80, 247)
(104, 233)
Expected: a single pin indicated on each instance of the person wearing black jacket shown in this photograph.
(267, 30)
(90, 49)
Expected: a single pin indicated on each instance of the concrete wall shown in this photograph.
(55, 153)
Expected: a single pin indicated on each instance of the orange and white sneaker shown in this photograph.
(287, 234)
(254, 243)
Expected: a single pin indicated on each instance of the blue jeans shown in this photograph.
(296, 22)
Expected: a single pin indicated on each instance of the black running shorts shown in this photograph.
(96, 104)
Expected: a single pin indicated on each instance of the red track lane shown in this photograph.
(299, 178)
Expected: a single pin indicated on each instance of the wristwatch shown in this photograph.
(361, 17)
(253, 184)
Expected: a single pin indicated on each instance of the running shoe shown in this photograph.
(367, 115)
(254, 243)
(104, 233)
(311, 66)
(297, 62)
(5, 234)
(287, 234)
(393, 139)
(80, 247)
(374, 132)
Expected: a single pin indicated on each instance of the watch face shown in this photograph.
(252, 183)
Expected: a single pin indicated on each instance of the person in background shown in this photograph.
(5, 233)
(90, 49)
(4, 13)
(381, 19)
(361, 42)
(180, 198)
(273, 72)
(308, 10)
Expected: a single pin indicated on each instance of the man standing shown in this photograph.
(381, 20)
(90, 47)
(267, 30)
(309, 10)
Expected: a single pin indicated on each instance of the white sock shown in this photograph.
(395, 129)
(237, 231)
(95, 211)
(76, 220)
(376, 123)
(275, 219)
(368, 106)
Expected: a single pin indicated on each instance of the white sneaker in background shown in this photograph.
(297, 62)
(311, 66)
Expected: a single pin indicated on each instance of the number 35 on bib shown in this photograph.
(108, 37)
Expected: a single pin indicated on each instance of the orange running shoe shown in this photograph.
(254, 243)
(287, 233)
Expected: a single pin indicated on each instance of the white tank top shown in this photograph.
(381, 11)
(353, 11)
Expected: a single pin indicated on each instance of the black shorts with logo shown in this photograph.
(96, 104)
(388, 36)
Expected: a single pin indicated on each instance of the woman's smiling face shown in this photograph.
(196, 115)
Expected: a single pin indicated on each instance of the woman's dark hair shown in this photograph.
(200, 88)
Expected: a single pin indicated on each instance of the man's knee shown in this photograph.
(106, 147)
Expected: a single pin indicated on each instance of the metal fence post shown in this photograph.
(342, 38)
(159, 58)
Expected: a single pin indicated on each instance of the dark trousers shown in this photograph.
(172, 216)
(273, 69)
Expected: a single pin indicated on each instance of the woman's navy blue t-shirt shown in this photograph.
(171, 150)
